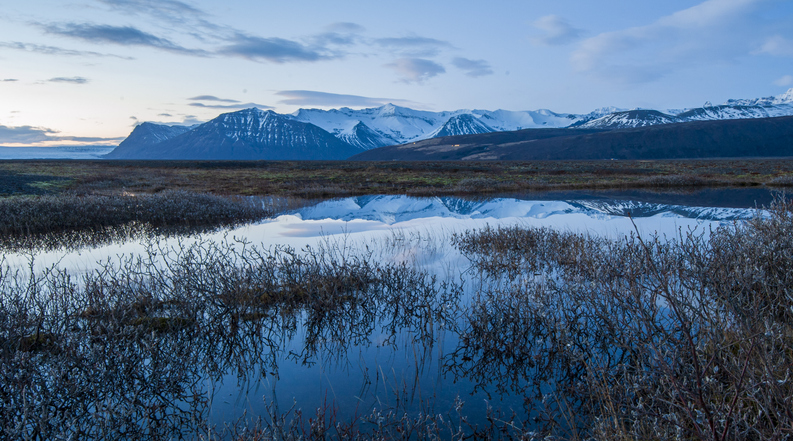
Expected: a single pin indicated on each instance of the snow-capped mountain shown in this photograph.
(331, 134)
(400, 125)
(629, 118)
(465, 124)
(769, 107)
(245, 135)
(151, 133)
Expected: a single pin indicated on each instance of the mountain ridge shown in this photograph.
(354, 131)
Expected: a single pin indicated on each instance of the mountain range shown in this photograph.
(341, 133)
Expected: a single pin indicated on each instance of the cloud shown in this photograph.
(122, 35)
(416, 70)
(473, 68)
(414, 46)
(784, 81)
(557, 31)
(24, 134)
(778, 46)
(211, 98)
(345, 27)
(9, 80)
(163, 8)
(325, 99)
(339, 34)
(72, 80)
(714, 31)
(274, 50)
(35, 135)
(52, 50)
(231, 106)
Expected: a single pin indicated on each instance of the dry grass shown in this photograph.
(310, 179)
(641, 338)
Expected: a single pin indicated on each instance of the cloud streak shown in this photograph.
(414, 46)
(37, 135)
(53, 50)
(326, 99)
(556, 31)
(473, 68)
(274, 50)
(778, 46)
(211, 98)
(72, 80)
(230, 106)
(121, 35)
(416, 70)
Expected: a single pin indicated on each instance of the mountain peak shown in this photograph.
(784, 98)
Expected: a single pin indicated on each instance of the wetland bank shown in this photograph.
(400, 317)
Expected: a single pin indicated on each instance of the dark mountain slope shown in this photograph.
(146, 135)
(699, 139)
(462, 146)
(249, 134)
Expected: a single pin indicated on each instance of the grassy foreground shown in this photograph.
(313, 180)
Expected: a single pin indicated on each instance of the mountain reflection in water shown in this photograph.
(359, 307)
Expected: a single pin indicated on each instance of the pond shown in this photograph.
(349, 311)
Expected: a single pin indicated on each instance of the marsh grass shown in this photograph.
(125, 350)
(74, 220)
(640, 338)
(636, 338)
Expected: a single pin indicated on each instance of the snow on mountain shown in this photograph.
(780, 105)
(784, 98)
(395, 209)
(465, 124)
(249, 134)
(629, 119)
(389, 124)
(400, 125)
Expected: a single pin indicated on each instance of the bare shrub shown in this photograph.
(641, 338)
(75, 220)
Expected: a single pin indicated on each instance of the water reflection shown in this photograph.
(357, 307)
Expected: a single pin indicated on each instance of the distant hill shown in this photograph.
(760, 137)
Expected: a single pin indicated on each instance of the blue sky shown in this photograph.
(87, 71)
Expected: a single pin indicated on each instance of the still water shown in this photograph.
(402, 352)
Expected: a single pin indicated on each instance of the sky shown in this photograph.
(82, 72)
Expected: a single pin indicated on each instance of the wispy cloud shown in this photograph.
(9, 80)
(714, 31)
(473, 68)
(36, 135)
(556, 31)
(121, 35)
(211, 98)
(414, 46)
(24, 134)
(784, 81)
(53, 50)
(416, 70)
(777, 45)
(231, 106)
(72, 80)
(213, 102)
(274, 50)
(339, 34)
(178, 14)
(326, 99)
